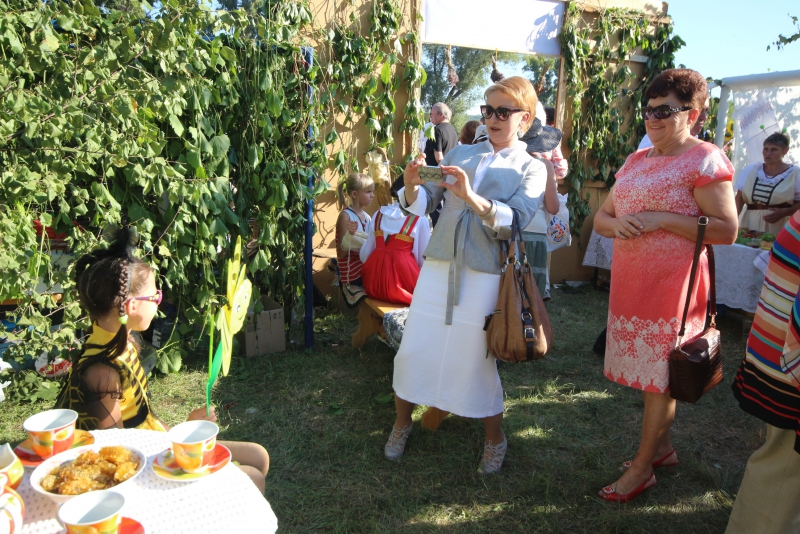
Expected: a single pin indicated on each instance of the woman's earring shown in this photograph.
(520, 133)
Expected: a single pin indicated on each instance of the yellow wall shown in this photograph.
(354, 140)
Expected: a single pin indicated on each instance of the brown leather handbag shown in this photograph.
(519, 328)
(696, 367)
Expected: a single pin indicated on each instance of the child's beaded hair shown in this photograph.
(105, 278)
(354, 182)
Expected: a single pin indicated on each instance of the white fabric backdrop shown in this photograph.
(774, 108)
(527, 26)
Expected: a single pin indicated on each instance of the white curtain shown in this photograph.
(527, 26)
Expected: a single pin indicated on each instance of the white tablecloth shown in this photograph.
(738, 280)
(226, 501)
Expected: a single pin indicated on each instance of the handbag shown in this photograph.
(519, 329)
(696, 367)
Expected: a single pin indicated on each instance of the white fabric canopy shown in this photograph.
(763, 104)
(526, 26)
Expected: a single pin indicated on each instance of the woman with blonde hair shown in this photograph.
(443, 360)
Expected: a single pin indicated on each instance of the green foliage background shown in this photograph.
(191, 124)
(606, 94)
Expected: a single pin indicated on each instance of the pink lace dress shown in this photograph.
(650, 274)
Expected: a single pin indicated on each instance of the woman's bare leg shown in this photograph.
(659, 412)
(494, 429)
(404, 410)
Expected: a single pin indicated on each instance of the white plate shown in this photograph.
(51, 463)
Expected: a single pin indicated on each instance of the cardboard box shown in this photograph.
(265, 332)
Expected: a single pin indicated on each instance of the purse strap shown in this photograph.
(526, 314)
(702, 222)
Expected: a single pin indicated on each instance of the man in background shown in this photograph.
(445, 136)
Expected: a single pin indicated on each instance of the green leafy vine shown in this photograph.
(606, 94)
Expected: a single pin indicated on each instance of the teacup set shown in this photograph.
(53, 439)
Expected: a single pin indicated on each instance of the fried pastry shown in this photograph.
(92, 471)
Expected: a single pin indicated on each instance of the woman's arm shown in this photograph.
(739, 202)
(715, 201)
(551, 202)
(776, 215)
(607, 224)
(103, 382)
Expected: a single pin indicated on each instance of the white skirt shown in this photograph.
(449, 367)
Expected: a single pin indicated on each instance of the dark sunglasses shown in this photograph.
(155, 298)
(501, 112)
(662, 112)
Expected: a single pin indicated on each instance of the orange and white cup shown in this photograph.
(96, 511)
(193, 444)
(12, 509)
(11, 466)
(51, 432)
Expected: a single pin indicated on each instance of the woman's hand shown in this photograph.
(627, 227)
(649, 221)
(199, 414)
(411, 174)
(462, 189)
(775, 215)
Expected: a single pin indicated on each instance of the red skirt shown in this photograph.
(391, 271)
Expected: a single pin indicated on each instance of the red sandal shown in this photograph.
(609, 494)
(661, 462)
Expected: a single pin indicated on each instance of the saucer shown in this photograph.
(167, 468)
(126, 526)
(24, 450)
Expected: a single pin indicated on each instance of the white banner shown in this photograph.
(526, 26)
(760, 112)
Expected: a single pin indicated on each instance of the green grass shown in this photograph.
(322, 418)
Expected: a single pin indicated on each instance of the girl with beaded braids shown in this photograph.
(107, 385)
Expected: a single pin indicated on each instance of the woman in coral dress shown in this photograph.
(392, 255)
(652, 213)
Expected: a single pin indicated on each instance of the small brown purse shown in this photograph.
(519, 329)
(696, 367)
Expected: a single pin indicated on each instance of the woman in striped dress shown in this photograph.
(767, 386)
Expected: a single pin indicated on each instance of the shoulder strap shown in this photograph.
(702, 222)
(410, 223)
(377, 219)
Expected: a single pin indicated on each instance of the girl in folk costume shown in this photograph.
(356, 192)
(392, 253)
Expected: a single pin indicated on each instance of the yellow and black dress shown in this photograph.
(133, 396)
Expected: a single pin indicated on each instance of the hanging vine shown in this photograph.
(606, 95)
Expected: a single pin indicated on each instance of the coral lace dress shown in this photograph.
(650, 273)
(391, 271)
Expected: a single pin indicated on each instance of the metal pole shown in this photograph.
(308, 322)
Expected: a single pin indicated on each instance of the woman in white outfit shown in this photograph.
(443, 360)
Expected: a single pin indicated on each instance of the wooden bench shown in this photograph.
(370, 321)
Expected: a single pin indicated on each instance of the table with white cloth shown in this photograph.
(738, 279)
(226, 501)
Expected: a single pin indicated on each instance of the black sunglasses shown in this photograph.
(501, 112)
(662, 112)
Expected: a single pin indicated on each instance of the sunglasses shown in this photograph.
(501, 113)
(155, 298)
(662, 112)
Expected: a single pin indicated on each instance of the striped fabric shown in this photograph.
(766, 384)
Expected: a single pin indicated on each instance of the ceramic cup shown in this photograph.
(51, 432)
(193, 444)
(12, 509)
(10, 466)
(96, 511)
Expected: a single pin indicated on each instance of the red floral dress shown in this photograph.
(650, 273)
